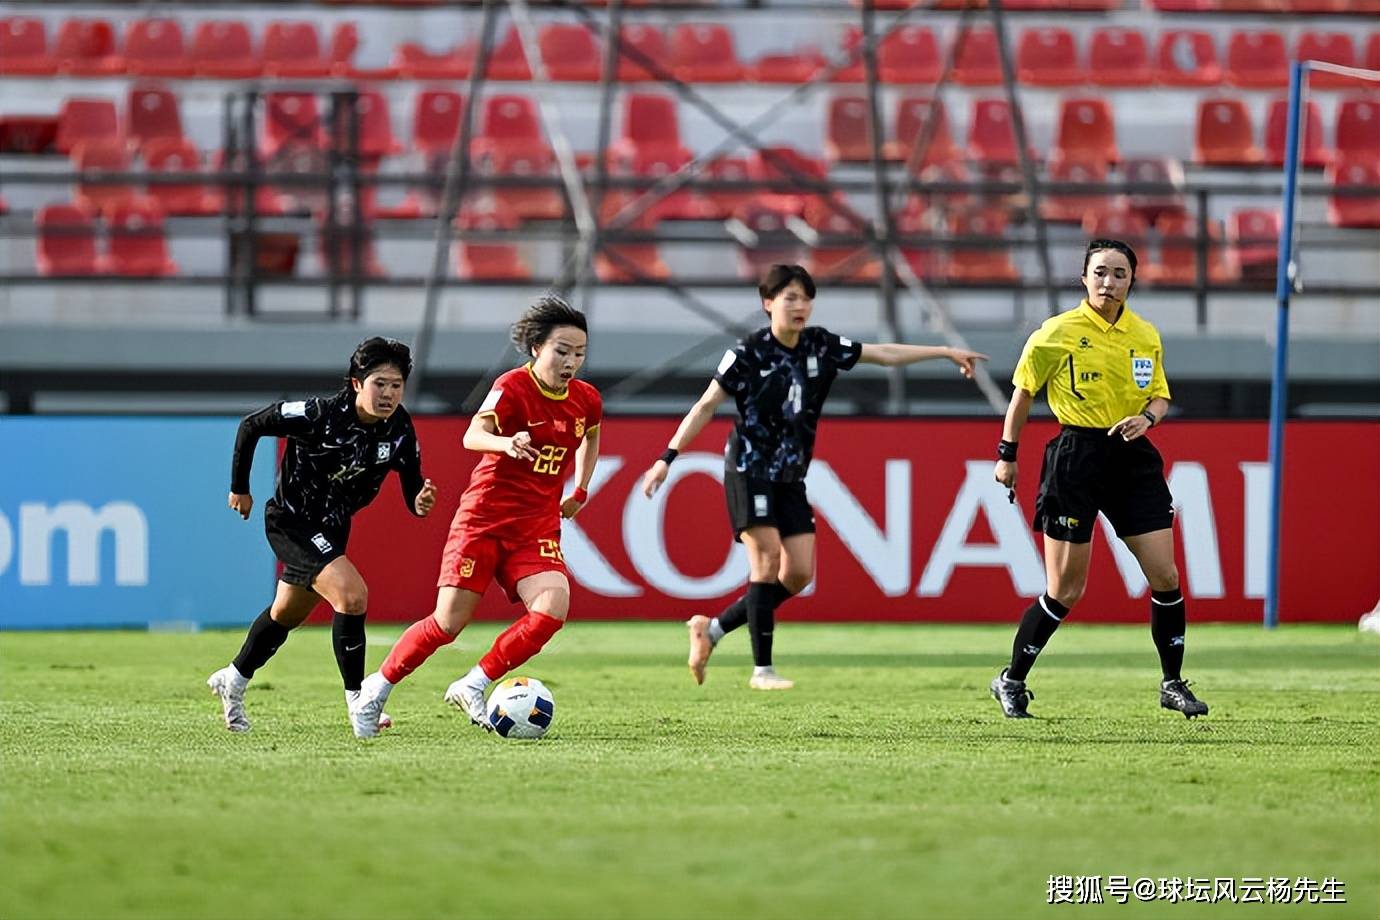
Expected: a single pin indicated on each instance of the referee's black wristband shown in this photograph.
(1150, 417)
(669, 455)
(1006, 450)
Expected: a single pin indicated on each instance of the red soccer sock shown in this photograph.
(519, 642)
(417, 644)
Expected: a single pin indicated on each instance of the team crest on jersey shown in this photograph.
(580, 427)
(385, 450)
(812, 366)
(466, 567)
(560, 425)
(1142, 371)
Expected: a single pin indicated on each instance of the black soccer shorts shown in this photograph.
(304, 549)
(763, 503)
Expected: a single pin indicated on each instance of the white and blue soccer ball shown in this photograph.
(521, 707)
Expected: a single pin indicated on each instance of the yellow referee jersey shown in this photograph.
(1097, 372)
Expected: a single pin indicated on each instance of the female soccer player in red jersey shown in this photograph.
(535, 419)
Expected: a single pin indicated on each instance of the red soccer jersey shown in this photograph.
(519, 498)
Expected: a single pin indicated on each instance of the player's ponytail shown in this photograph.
(378, 352)
(546, 313)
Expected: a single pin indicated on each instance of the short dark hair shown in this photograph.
(546, 313)
(779, 277)
(1120, 246)
(377, 352)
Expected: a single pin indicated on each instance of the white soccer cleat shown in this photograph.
(228, 684)
(770, 680)
(352, 701)
(366, 716)
(700, 646)
(469, 700)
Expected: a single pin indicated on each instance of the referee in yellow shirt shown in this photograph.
(1102, 368)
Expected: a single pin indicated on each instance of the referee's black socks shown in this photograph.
(1167, 626)
(1038, 623)
(347, 637)
(264, 638)
(763, 597)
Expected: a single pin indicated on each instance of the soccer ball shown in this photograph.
(521, 707)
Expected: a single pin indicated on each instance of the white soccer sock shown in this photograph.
(239, 679)
(716, 631)
(477, 679)
(763, 671)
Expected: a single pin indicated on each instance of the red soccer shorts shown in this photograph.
(472, 560)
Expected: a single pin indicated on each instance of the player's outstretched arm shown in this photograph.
(483, 436)
(1017, 411)
(690, 428)
(586, 458)
(895, 355)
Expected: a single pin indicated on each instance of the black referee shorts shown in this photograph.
(303, 548)
(763, 503)
(1086, 470)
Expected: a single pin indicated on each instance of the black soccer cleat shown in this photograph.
(1174, 694)
(1013, 696)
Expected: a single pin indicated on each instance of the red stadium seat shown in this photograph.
(511, 144)
(413, 62)
(86, 48)
(291, 120)
(913, 220)
(1185, 6)
(156, 48)
(1372, 56)
(853, 71)
(1257, 60)
(81, 119)
(1086, 130)
(485, 261)
(177, 155)
(799, 66)
(911, 114)
(702, 53)
(570, 52)
(1048, 57)
(795, 175)
(24, 47)
(66, 241)
(293, 49)
(1160, 171)
(1332, 47)
(978, 62)
(336, 249)
(1354, 210)
(91, 158)
(1313, 153)
(991, 138)
(507, 61)
(1187, 57)
(1358, 127)
(774, 241)
(1070, 207)
(1225, 134)
(848, 130)
(151, 112)
(1117, 223)
(341, 56)
(639, 43)
(375, 126)
(28, 134)
(627, 263)
(224, 49)
(137, 243)
(982, 264)
(849, 257)
(436, 115)
(1254, 237)
(909, 55)
(1119, 57)
(721, 202)
(1178, 261)
(650, 147)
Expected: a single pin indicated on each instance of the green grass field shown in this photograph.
(885, 785)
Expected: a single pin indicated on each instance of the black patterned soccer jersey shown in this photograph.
(333, 464)
(780, 392)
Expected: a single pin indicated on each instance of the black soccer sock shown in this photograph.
(347, 636)
(1038, 623)
(264, 638)
(736, 613)
(1167, 626)
(762, 600)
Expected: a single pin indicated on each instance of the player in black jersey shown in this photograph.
(779, 376)
(340, 449)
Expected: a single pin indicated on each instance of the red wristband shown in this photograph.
(580, 495)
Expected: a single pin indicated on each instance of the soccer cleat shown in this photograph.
(770, 680)
(1174, 694)
(1013, 696)
(700, 646)
(469, 700)
(229, 686)
(352, 700)
(366, 716)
